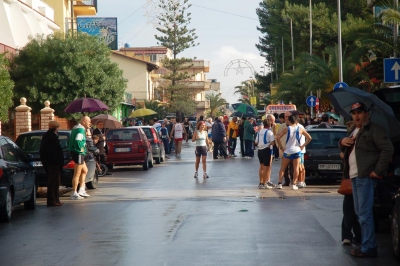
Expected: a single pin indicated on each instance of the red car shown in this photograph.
(128, 146)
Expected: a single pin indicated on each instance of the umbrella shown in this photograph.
(109, 121)
(380, 113)
(87, 105)
(142, 112)
(334, 116)
(245, 109)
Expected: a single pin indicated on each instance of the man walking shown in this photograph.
(233, 129)
(367, 151)
(248, 137)
(77, 147)
(219, 138)
(52, 157)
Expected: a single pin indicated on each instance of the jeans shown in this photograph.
(248, 144)
(242, 150)
(351, 229)
(166, 145)
(363, 194)
(232, 146)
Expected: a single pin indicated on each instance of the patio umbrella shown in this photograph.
(245, 109)
(86, 105)
(142, 112)
(380, 113)
(109, 121)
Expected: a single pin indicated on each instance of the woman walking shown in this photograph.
(178, 133)
(293, 148)
(201, 138)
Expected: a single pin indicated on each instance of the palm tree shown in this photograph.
(215, 102)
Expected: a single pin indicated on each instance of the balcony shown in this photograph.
(201, 64)
(202, 104)
(196, 86)
(85, 8)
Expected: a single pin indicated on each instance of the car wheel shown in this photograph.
(6, 209)
(395, 231)
(151, 162)
(103, 170)
(110, 166)
(162, 158)
(158, 159)
(146, 163)
(30, 204)
(93, 184)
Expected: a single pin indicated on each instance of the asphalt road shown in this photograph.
(166, 217)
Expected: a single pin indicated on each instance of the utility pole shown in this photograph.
(276, 65)
(340, 65)
(291, 36)
(310, 27)
(283, 58)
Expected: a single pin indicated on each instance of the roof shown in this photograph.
(150, 66)
(146, 50)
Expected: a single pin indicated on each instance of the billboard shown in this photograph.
(104, 28)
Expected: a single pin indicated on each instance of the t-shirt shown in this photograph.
(353, 171)
(77, 141)
(178, 131)
(264, 138)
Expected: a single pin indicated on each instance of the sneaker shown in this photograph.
(261, 186)
(346, 242)
(83, 194)
(269, 183)
(301, 185)
(196, 175)
(279, 186)
(295, 187)
(267, 186)
(75, 196)
(205, 175)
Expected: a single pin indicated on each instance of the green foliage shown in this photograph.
(6, 89)
(63, 68)
(215, 103)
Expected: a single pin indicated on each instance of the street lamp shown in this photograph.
(340, 42)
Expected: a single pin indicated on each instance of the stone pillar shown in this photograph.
(0, 128)
(23, 122)
(46, 115)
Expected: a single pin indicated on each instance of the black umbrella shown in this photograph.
(380, 113)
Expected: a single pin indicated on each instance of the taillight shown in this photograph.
(306, 157)
(155, 139)
(71, 164)
(141, 149)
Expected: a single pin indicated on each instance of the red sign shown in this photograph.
(317, 104)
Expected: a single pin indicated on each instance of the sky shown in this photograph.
(226, 30)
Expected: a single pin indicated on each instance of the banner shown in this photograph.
(104, 28)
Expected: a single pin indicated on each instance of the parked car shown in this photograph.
(322, 158)
(17, 179)
(30, 142)
(157, 145)
(128, 146)
(332, 126)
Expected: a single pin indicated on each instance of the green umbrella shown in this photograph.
(246, 109)
(334, 116)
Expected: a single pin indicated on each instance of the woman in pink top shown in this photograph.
(179, 133)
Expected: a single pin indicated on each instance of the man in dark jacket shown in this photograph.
(367, 153)
(219, 138)
(101, 144)
(52, 157)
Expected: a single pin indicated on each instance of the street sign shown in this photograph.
(391, 69)
(317, 104)
(311, 101)
(340, 85)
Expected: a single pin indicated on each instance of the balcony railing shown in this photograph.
(7, 50)
(202, 104)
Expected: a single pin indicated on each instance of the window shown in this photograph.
(325, 139)
(131, 134)
(153, 57)
(7, 151)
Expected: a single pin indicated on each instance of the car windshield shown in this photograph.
(30, 143)
(148, 133)
(123, 134)
(325, 139)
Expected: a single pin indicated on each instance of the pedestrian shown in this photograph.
(283, 117)
(367, 153)
(77, 147)
(165, 138)
(186, 124)
(241, 134)
(248, 137)
(170, 125)
(52, 157)
(179, 133)
(101, 144)
(219, 138)
(209, 124)
(201, 138)
(293, 149)
(233, 130)
(302, 171)
(324, 122)
(265, 142)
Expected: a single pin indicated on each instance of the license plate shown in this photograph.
(122, 149)
(329, 167)
(37, 164)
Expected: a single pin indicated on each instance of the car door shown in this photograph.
(13, 169)
(25, 168)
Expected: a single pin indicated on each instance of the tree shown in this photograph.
(62, 68)
(215, 103)
(6, 89)
(173, 23)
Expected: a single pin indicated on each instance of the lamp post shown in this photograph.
(291, 37)
(310, 27)
(340, 65)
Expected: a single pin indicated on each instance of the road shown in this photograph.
(166, 217)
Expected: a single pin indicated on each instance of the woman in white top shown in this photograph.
(293, 149)
(179, 133)
(201, 138)
(264, 142)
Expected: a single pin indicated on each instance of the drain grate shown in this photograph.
(316, 191)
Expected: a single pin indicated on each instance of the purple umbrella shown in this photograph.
(86, 105)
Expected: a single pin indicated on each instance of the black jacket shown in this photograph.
(218, 131)
(51, 153)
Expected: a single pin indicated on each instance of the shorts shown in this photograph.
(264, 156)
(177, 140)
(292, 156)
(77, 158)
(301, 158)
(200, 151)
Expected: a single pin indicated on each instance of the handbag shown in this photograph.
(345, 187)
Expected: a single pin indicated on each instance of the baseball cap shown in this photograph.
(358, 107)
